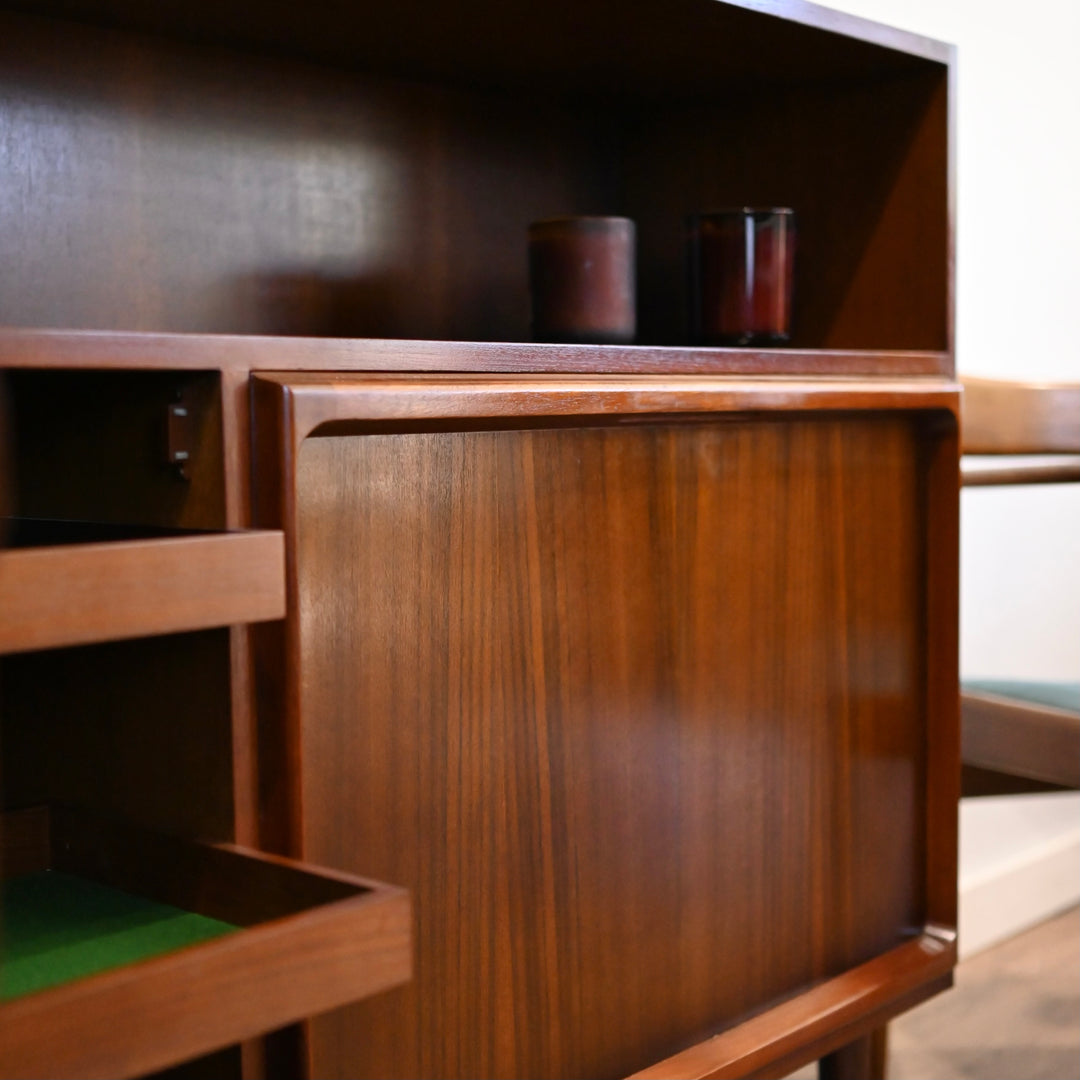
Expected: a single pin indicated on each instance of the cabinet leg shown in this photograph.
(863, 1059)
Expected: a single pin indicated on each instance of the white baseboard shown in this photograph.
(1019, 865)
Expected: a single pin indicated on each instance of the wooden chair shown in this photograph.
(1020, 736)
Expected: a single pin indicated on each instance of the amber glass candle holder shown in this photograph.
(582, 280)
(740, 276)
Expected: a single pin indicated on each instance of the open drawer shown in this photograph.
(71, 583)
(103, 921)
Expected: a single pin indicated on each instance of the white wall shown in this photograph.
(1018, 315)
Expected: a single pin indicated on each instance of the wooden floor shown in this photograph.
(1014, 1014)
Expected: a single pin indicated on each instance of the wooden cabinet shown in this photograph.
(631, 668)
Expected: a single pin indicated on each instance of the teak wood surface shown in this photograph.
(78, 593)
(644, 688)
(239, 354)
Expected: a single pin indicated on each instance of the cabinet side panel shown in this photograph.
(634, 713)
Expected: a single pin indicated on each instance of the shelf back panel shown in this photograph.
(160, 185)
(136, 728)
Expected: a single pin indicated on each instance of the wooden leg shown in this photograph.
(863, 1059)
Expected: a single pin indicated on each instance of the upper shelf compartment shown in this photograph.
(353, 172)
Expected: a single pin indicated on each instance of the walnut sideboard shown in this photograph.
(495, 709)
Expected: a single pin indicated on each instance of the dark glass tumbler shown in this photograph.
(582, 280)
(740, 270)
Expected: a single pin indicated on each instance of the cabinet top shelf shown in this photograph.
(635, 47)
(103, 350)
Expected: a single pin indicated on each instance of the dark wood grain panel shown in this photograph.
(630, 710)
(137, 728)
(351, 403)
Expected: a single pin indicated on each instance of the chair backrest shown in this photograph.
(1012, 740)
(1020, 418)
(1003, 417)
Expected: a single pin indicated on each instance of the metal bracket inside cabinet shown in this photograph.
(179, 432)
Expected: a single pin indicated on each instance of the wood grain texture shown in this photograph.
(322, 939)
(239, 354)
(350, 403)
(557, 678)
(81, 593)
(1013, 417)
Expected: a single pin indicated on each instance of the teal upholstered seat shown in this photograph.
(1058, 695)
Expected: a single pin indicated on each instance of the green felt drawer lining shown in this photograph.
(55, 928)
